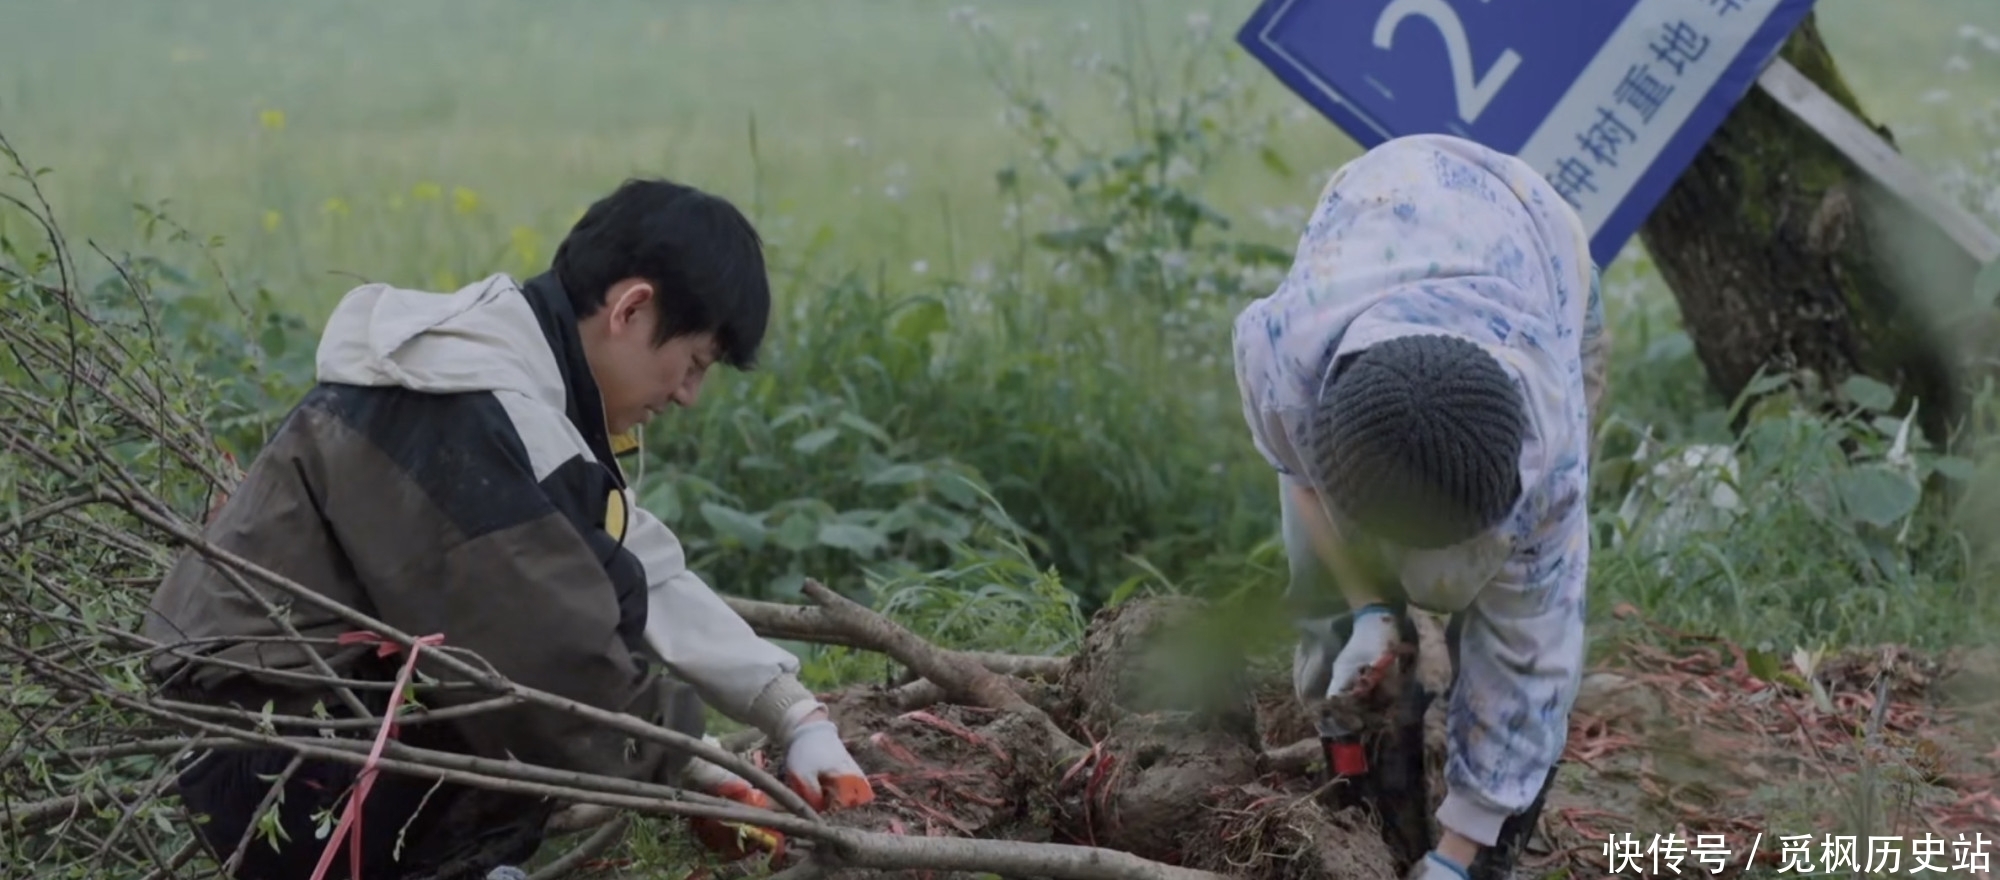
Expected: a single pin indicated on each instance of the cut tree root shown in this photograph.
(1118, 757)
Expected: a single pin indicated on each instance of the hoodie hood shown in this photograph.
(490, 336)
(1425, 234)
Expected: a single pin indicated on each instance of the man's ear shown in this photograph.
(627, 305)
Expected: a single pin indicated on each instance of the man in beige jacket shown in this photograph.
(453, 472)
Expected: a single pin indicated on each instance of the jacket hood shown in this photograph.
(491, 335)
(1422, 235)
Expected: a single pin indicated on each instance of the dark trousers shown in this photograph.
(411, 826)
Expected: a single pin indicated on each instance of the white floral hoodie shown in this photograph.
(1434, 234)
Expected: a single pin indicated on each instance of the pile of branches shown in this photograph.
(1099, 765)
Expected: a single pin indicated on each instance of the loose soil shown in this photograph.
(1676, 736)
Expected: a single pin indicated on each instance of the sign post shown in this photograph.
(1608, 99)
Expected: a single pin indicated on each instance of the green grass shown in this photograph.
(929, 359)
(878, 128)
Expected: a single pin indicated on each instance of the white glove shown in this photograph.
(1323, 668)
(1436, 867)
(816, 762)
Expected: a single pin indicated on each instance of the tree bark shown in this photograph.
(1774, 247)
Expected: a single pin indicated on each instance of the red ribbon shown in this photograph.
(351, 816)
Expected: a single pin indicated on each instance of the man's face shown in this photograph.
(637, 379)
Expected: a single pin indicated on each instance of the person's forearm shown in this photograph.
(1329, 555)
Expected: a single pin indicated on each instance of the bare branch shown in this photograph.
(605, 837)
(807, 623)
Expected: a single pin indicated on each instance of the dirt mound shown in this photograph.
(1172, 732)
(1154, 655)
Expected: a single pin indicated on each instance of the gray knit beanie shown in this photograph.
(1418, 440)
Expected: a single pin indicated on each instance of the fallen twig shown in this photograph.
(605, 837)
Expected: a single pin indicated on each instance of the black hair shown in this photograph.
(703, 257)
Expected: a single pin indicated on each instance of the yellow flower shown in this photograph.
(465, 200)
(272, 119)
(271, 221)
(335, 206)
(427, 192)
(444, 279)
(527, 246)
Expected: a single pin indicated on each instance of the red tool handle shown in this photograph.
(1345, 758)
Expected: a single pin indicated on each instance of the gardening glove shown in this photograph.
(1325, 666)
(730, 840)
(818, 767)
(1435, 866)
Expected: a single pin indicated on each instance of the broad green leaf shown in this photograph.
(785, 586)
(898, 520)
(798, 532)
(896, 475)
(1766, 383)
(1876, 495)
(663, 500)
(1274, 162)
(273, 340)
(919, 321)
(1955, 468)
(733, 524)
(814, 441)
(865, 426)
(852, 537)
(791, 414)
(957, 489)
(1868, 393)
(1986, 287)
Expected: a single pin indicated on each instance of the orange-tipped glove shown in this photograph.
(730, 840)
(818, 767)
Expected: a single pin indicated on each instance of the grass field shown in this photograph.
(991, 432)
(328, 137)
(439, 141)
(429, 143)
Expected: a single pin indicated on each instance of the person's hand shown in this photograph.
(730, 840)
(818, 767)
(1324, 666)
(1436, 866)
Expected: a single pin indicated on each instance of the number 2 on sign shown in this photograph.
(1473, 92)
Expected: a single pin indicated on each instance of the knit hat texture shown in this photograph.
(1418, 440)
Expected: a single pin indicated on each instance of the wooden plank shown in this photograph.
(1876, 158)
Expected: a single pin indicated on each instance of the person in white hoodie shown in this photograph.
(1425, 381)
(454, 471)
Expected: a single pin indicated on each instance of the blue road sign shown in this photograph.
(1609, 99)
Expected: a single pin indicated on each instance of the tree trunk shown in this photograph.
(1773, 245)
